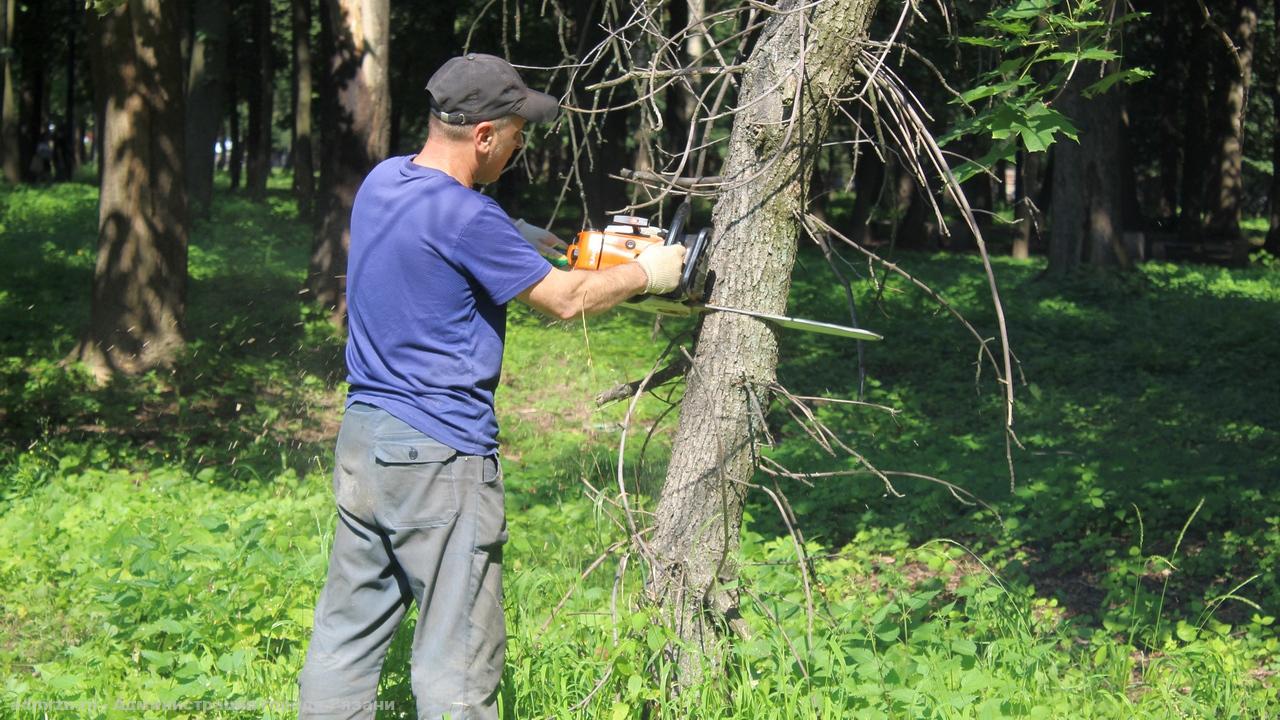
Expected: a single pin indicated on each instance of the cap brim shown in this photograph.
(539, 107)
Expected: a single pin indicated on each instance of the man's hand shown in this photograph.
(662, 264)
(548, 245)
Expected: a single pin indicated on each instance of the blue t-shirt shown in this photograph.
(431, 268)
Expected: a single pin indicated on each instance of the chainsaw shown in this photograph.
(627, 236)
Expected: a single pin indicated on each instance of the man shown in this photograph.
(416, 479)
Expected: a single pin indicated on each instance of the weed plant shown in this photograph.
(163, 538)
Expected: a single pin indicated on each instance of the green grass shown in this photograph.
(163, 538)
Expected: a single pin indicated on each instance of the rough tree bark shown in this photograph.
(140, 281)
(1085, 220)
(258, 167)
(304, 183)
(206, 98)
(357, 137)
(1233, 70)
(9, 142)
(804, 57)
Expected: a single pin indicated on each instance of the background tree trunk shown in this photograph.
(1195, 155)
(206, 98)
(868, 182)
(1172, 89)
(1030, 220)
(33, 86)
(259, 145)
(358, 136)
(65, 155)
(1226, 193)
(10, 145)
(304, 183)
(1086, 217)
(1273, 234)
(139, 283)
(699, 515)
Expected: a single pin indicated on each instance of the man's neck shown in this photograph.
(444, 158)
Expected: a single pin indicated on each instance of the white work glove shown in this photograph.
(548, 245)
(662, 263)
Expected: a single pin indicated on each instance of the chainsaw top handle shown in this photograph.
(675, 233)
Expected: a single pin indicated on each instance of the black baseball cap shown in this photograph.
(477, 87)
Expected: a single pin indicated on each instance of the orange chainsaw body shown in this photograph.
(626, 237)
(600, 249)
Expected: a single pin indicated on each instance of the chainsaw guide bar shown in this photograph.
(628, 236)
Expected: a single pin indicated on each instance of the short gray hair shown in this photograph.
(461, 133)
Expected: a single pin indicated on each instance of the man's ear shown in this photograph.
(486, 134)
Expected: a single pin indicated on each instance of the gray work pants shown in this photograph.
(417, 522)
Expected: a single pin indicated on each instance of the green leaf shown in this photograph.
(980, 41)
(1128, 77)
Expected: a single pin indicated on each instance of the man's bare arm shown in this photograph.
(566, 295)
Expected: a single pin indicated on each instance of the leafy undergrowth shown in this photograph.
(164, 537)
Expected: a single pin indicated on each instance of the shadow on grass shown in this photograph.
(253, 395)
(1146, 395)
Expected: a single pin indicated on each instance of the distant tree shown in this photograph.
(206, 97)
(1030, 169)
(1232, 75)
(34, 55)
(66, 158)
(1086, 223)
(304, 184)
(140, 280)
(10, 145)
(261, 90)
(1273, 235)
(1195, 141)
(357, 135)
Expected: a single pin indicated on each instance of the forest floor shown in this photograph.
(163, 538)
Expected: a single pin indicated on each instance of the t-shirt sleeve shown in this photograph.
(493, 252)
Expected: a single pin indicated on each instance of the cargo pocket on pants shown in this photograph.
(416, 481)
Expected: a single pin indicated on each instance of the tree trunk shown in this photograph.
(259, 145)
(139, 283)
(206, 98)
(64, 141)
(359, 136)
(682, 96)
(1195, 136)
(1233, 76)
(1086, 214)
(303, 166)
(699, 515)
(10, 145)
(33, 49)
(235, 164)
(1273, 234)
(911, 231)
(1030, 219)
(1172, 82)
(868, 182)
